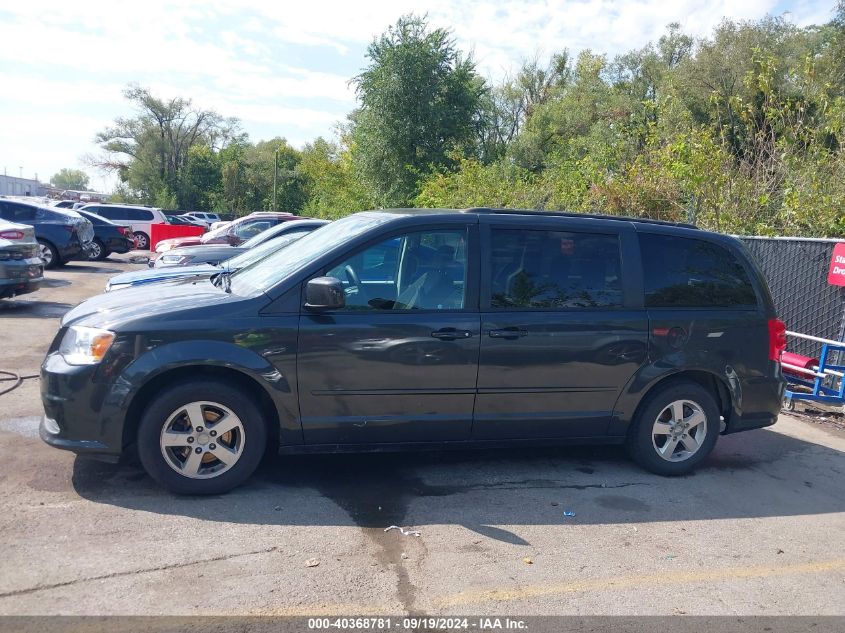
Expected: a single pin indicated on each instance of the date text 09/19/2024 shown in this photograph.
(417, 623)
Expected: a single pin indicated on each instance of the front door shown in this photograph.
(399, 363)
(560, 337)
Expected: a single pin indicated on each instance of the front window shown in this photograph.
(422, 270)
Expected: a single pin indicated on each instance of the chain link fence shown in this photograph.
(796, 271)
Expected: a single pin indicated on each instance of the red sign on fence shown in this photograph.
(836, 274)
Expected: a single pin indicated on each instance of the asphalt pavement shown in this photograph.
(759, 529)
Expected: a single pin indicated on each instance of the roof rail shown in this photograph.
(571, 214)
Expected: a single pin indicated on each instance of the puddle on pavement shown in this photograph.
(26, 426)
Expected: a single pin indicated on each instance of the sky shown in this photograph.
(282, 68)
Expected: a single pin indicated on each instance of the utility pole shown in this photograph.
(275, 175)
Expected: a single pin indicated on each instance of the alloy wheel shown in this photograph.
(202, 440)
(45, 253)
(94, 250)
(679, 430)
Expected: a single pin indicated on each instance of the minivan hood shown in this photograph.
(112, 309)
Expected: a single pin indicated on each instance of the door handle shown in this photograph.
(511, 332)
(450, 334)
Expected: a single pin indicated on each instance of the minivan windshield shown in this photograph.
(265, 273)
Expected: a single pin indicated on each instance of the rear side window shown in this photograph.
(139, 215)
(554, 269)
(682, 272)
(19, 212)
(110, 213)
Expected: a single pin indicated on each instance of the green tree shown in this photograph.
(200, 180)
(149, 150)
(332, 186)
(70, 179)
(504, 109)
(419, 97)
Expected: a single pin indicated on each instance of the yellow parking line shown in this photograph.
(626, 582)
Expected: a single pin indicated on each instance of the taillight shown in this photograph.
(11, 235)
(69, 228)
(124, 231)
(777, 339)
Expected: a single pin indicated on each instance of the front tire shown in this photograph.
(201, 437)
(675, 429)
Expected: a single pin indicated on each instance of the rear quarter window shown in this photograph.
(681, 272)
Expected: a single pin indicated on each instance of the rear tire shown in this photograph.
(179, 447)
(675, 429)
(49, 255)
(98, 251)
(142, 241)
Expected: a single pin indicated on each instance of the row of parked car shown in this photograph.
(62, 231)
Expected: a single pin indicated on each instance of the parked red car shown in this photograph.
(233, 233)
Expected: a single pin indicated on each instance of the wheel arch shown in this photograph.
(726, 397)
(140, 401)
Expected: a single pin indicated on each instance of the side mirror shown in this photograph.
(324, 293)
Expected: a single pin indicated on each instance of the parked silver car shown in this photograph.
(21, 268)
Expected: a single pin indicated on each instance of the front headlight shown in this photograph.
(85, 345)
(172, 259)
(110, 286)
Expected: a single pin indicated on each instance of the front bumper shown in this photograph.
(50, 433)
(77, 413)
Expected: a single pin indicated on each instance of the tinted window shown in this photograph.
(18, 212)
(250, 229)
(110, 213)
(554, 269)
(139, 215)
(423, 270)
(691, 273)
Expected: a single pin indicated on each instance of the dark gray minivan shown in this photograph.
(427, 328)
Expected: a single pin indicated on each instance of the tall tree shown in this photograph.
(331, 183)
(505, 108)
(246, 176)
(70, 179)
(418, 97)
(200, 181)
(150, 149)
